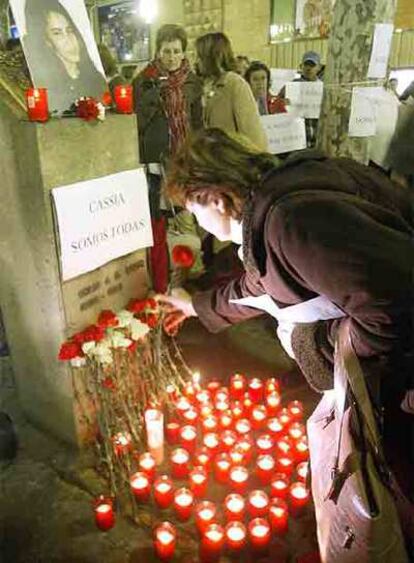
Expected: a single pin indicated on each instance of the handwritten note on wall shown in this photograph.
(284, 132)
(381, 47)
(305, 98)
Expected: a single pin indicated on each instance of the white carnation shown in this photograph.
(125, 318)
(138, 329)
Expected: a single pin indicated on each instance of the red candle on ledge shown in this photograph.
(285, 464)
(255, 390)
(180, 460)
(284, 446)
(228, 439)
(301, 449)
(296, 430)
(190, 415)
(259, 533)
(123, 98)
(209, 423)
(265, 468)
(234, 507)
(104, 513)
(257, 504)
(273, 403)
(237, 409)
(202, 458)
(237, 455)
(212, 542)
(198, 481)
(275, 427)
(188, 438)
(203, 397)
(235, 533)
(213, 386)
(182, 404)
(285, 417)
(226, 420)
(147, 465)
(122, 442)
(265, 444)
(298, 497)
(204, 514)
(211, 441)
(271, 385)
(183, 503)
(279, 485)
(238, 478)
(258, 416)
(243, 426)
(302, 471)
(238, 385)
(278, 515)
(163, 491)
(245, 444)
(295, 409)
(36, 102)
(165, 536)
(172, 432)
(140, 485)
(222, 465)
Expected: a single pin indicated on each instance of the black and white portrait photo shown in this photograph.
(60, 50)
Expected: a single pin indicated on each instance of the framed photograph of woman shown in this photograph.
(313, 17)
(60, 50)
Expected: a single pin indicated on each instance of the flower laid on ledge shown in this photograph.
(89, 109)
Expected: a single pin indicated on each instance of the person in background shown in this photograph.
(400, 155)
(258, 76)
(110, 67)
(408, 94)
(228, 100)
(167, 101)
(392, 86)
(242, 64)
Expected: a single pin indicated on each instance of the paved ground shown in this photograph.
(46, 492)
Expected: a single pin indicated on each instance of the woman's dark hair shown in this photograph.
(216, 53)
(171, 32)
(108, 62)
(213, 164)
(254, 67)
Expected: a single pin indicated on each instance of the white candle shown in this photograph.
(154, 423)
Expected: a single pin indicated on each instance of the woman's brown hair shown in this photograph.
(171, 32)
(216, 54)
(212, 164)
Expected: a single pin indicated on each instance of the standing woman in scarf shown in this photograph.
(167, 99)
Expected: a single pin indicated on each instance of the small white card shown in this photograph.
(279, 77)
(305, 98)
(284, 132)
(363, 118)
(381, 47)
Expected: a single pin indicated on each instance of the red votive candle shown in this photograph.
(272, 403)
(180, 459)
(209, 424)
(259, 533)
(237, 409)
(172, 432)
(279, 485)
(258, 416)
(204, 514)
(188, 438)
(207, 410)
(284, 446)
(285, 417)
(238, 386)
(213, 386)
(243, 426)
(189, 391)
(182, 404)
(275, 427)
(171, 392)
(301, 449)
(36, 103)
(298, 497)
(237, 456)
(198, 481)
(228, 440)
(278, 515)
(140, 485)
(203, 397)
(163, 491)
(202, 457)
(190, 415)
(146, 464)
(245, 444)
(295, 410)
(247, 405)
(165, 536)
(222, 395)
(222, 465)
(302, 471)
(183, 503)
(123, 98)
(265, 467)
(257, 504)
(211, 441)
(104, 513)
(221, 406)
(296, 430)
(271, 385)
(265, 444)
(255, 390)
(226, 420)
(238, 478)
(285, 464)
(235, 533)
(234, 507)
(122, 442)
(212, 542)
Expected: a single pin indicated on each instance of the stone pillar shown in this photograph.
(40, 311)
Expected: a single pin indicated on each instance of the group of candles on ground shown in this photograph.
(240, 437)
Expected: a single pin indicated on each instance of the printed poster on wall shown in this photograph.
(102, 219)
(284, 132)
(363, 117)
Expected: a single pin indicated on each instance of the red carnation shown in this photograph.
(107, 319)
(151, 319)
(132, 347)
(87, 109)
(136, 305)
(109, 383)
(183, 256)
(92, 333)
(152, 303)
(107, 98)
(70, 350)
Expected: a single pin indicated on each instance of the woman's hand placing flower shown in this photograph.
(177, 307)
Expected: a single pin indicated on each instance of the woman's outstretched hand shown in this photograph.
(177, 307)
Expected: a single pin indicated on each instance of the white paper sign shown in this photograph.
(102, 219)
(279, 77)
(363, 118)
(305, 98)
(284, 132)
(380, 53)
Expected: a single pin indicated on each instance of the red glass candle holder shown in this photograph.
(272, 403)
(183, 503)
(259, 532)
(37, 104)
(284, 446)
(202, 457)
(211, 441)
(172, 432)
(295, 410)
(302, 471)
(265, 468)
(301, 449)
(188, 438)
(298, 497)
(222, 395)
(209, 424)
(198, 481)
(212, 543)
(238, 478)
(163, 491)
(228, 440)
(285, 417)
(236, 536)
(237, 410)
(171, 392)
(221, 406)
(103, 508)
(246, 445)
(238, 386)
(258, 417)
(140, 485)
(123, 98)
(285, 464)
(226, 420)
(165, 537)
(274, 427)
(257, 504)
(265, 444)
(243, 426)
(146, 463)
(205, 513)
(203, 397)
(237, 456)
(180, 460)
(234, 507)
(213, 386)
(279, 486)
(222, 465)
(278, 516)
(189, 391)
(271, 385)
(190, 415)
(122, 443)
(247, 405)
(255, 389)
(296, 430)
(182, 404)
